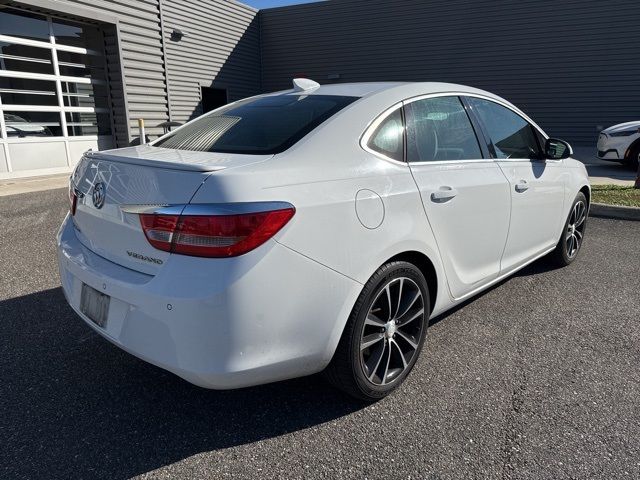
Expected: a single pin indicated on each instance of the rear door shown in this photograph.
(465, 195)
(536, 184)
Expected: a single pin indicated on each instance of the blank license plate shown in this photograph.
(94, 305)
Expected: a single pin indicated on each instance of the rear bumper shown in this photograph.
(269, 315)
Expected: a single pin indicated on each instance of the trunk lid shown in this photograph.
(144, 175)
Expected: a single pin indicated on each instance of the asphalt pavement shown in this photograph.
(537, 378)
(604, 172)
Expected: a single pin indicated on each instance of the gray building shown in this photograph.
(78, 74)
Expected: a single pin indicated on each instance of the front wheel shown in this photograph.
(573, 233)
(634, 157)
(384, 334)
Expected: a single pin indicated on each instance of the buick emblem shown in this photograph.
(99, 195)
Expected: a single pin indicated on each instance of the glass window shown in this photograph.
(84, 95)
(23, 58)
(87, 89)
(32, 124)
(439, 129)
(24, 24)
(24, 91)
(79, 65)
(76, 34)
(388, 138)
(263, 125)
(511, 135)
(79, 124)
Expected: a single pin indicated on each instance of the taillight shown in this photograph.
(73, 199)
(213, 235)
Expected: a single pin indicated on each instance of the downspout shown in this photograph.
(164, 60)
(260, 62)
(125, 87)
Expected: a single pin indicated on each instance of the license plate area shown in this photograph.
(95, 305)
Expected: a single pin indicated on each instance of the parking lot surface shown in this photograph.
(537, 378)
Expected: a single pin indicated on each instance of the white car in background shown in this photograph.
(19, 127)
(318, 228)
(620, 143)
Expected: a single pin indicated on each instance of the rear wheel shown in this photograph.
(573, 233)
(384, 334)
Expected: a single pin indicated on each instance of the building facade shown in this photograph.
(78, 74)
(572, 65)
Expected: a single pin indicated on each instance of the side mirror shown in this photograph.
(556, 149)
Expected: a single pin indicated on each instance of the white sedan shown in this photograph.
(620, 143)
(315, 229)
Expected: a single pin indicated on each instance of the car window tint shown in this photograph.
(260, 125)
(439, 129)
(388, 137)
(512, 136)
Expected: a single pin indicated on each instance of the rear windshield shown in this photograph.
(261, 126)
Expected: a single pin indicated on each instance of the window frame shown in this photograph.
(477, 125)
(372, 128)
(374, 131)
(61, 109)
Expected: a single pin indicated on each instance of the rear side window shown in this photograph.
(260, 126)
(439, 129)
(511, 135)
(388, 137)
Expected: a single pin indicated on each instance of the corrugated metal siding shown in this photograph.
(571, 65)
(221, 48)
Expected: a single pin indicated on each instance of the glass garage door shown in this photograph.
(54, 97)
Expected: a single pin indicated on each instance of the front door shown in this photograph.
(465, 196)
(537, 185)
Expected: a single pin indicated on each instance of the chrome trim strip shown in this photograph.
(207, 208)
(157, 209)
(234, 208)
(497, 100)
(368, 131)
(453, 162)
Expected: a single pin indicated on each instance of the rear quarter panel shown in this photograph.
(321, 176)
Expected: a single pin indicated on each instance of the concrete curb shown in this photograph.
(614, 211)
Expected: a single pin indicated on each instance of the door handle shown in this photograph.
(522, 186)
(443, 194)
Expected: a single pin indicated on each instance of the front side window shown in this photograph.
(256, 126)
(387, 139)
(511, 135)
(439, 129)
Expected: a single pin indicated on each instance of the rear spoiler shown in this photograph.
(173, 164)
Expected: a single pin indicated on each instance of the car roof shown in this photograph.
(366, 89)
(361, 89)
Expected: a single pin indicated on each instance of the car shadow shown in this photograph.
(75, 406)
(540, 266)
(616, 171)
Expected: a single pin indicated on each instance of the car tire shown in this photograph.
(384, 334)
(634, 157)
(572, 236)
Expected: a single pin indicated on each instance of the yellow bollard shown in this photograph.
(141, 130)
